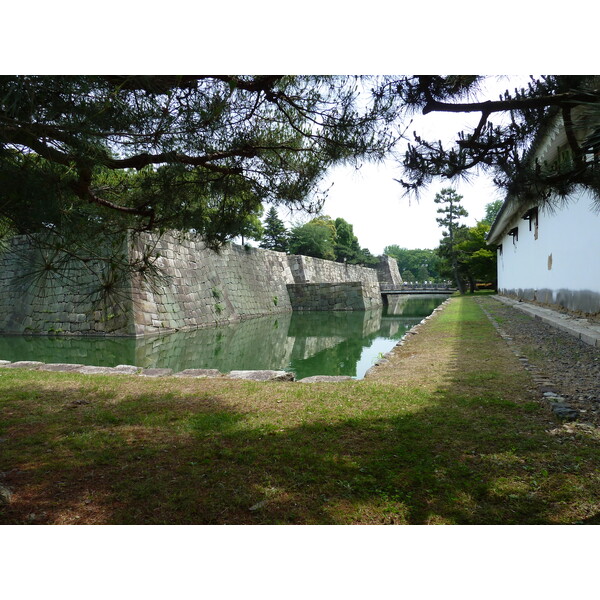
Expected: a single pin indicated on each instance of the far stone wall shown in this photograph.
(349, 295)
(388, 272)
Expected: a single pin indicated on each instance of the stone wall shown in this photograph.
(351, 295)
(323, 284)
(37, 299)
(205, 288)
(196, 287)
(202, 288)
(388, 272)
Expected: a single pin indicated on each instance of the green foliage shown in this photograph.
(275, 234)
(451, 211)
(478, 258)
(316, 238)
(323, 237)
(366, 258)
(491, 212)
(90, 157)
(251, 226)
(6, 231)
(422, 262)
(347, 249)
(475, 260)
(467, 256)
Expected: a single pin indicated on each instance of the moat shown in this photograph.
(307, 343)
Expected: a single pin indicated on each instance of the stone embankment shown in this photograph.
(193, 287)
(259, 375)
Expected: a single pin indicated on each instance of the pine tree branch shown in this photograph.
(491, 106)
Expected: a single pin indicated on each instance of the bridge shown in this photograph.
(416, 288)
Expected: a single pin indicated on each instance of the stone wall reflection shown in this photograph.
(260, 343)
(308, 343)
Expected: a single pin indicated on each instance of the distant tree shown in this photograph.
(450, 263)
(347, 248)
(491, 212)
(366, 258)
(475, 260)
(422, 273)
(451, 211)
(414, 260)
(275, 234)
(478, 259)
(407, 276)
(323, 237)
(316, 238)
(251, 227)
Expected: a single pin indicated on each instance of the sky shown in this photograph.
(373, 202)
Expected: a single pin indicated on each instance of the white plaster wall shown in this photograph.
(571, 234)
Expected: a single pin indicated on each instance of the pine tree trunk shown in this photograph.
(459, 283)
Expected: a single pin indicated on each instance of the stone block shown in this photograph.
(326, 378)
(93, 370)
(25, 364)
(128, 369)
(262, 375)
(198, 373)
(63, 367)
(591, 338)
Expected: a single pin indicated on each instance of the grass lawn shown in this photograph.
(450, 430)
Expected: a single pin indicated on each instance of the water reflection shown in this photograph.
(308, 343)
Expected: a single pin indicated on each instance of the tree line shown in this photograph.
(321, 237)
(463, 255)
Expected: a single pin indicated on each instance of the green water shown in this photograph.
(311, 343)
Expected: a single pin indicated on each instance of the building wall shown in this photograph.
(560, 267)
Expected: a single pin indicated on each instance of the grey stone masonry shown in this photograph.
(202, 287)
(36, 299)
(388, 272)
(332, 296)
(196, 287)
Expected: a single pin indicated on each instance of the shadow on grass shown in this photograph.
(469, 455)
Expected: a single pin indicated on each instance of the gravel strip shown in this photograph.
(566, 370)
